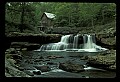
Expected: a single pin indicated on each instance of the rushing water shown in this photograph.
(90, 72)
(71, 48)
(71, 43)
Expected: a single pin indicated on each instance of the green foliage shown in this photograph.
(67, 14)
(21, 13)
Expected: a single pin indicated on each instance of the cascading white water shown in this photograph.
(66, 44)
(75, 42)
(63, 44)
(89, 45)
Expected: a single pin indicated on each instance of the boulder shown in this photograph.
(107, 40)
(43, 68)
(37, 72)
(11, 51)
(51, 63)
(71, 67)
(106, 61)
(29, 72)
(12, 71)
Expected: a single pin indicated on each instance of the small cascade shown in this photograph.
(63, 44)
(89, 43)
(75, 42)
(71, 43)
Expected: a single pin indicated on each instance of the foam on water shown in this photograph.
(88, 45)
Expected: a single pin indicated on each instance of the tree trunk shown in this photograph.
(22, 17)
(103, 17)
(69, 19)
(92, 22)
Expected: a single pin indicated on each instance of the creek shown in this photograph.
(70, 48)
(37, 58)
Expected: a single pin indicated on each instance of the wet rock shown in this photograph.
(30, 61)
(54, 57)
(29, 72)
(20, 68)
(73, 56)
(107, 40)
(43, 68)
(112, 67)
(18, 61)
(51, 63)
(29, 68)
(25, 45)
(8, 56)
(59, 56)
(12, 71)
(38, 60)
(33, 38)
(107, 61)
(24, 49)
(8, 75)
(41, 57)
(18, 49)
(46, 59)
(85, 76)
(32, 46)
(51, 57)
(71, 67)
(10, 62)
(83, 57)
(37, 72)
(11, 51)
(16, 56)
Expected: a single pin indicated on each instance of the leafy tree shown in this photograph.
(21, 13)
(67, 14)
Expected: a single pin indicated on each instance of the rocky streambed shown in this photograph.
(60, 64)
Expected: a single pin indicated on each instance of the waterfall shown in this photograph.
(89, 43)
(71, 43)
(63, 44)
(65, 39)
(75, 42)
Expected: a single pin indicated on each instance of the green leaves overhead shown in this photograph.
(67, 13)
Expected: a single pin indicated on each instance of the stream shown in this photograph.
(42, 58)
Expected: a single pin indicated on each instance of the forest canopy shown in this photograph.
(20, 16)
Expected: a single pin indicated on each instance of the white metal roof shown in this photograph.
(50, 15)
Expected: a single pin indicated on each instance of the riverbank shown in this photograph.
(13, 57)
(103, 60)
